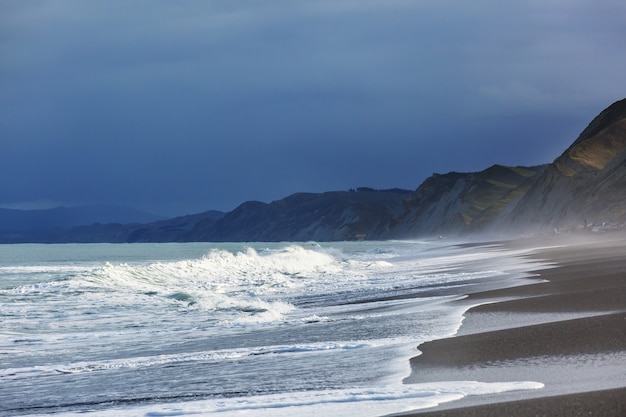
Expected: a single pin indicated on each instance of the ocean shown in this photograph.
(263, 329)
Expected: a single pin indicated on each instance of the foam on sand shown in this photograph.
(338, 403)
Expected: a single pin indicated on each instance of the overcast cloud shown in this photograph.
(180, 107)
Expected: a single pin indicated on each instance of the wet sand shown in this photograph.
(568, 333)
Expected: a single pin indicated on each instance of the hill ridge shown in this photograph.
(583, 188)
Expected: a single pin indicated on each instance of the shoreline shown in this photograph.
(567, 331)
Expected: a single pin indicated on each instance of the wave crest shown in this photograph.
(248, 285)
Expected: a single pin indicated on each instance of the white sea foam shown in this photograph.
(220, 281)
(337, 403)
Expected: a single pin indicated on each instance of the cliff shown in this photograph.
(461, 203)
(584, 187)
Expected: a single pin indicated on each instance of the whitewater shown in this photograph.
(263, 329)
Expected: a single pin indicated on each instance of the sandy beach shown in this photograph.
(567, 331)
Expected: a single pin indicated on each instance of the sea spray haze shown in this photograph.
(281, 329)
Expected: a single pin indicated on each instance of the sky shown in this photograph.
(178, 107)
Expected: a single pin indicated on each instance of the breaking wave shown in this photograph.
(249, 285)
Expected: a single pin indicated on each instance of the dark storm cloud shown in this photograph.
(190, 105)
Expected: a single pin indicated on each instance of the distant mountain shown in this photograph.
(338, 215)
(585, 187)
(66, 217)
(178, 229)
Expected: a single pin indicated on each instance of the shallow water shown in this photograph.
(174, 329)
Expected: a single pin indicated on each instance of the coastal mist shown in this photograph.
(264, 329)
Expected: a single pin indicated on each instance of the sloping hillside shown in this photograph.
(461, 202)
(338, 215)
(585, 186)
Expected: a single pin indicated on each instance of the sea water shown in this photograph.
(263, 329)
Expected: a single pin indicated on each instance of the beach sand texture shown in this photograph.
(568, 332)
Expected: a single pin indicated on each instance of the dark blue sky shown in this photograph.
(178, 107)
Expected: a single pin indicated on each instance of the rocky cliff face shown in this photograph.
(459, 203)
(585, 186)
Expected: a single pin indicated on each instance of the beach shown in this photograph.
(231, 328)
(567, 331)
(313, 329)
